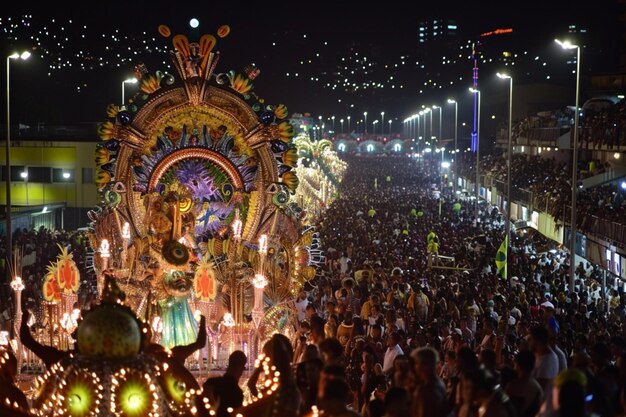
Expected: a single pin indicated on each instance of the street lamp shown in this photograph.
(24, 176)
(427, 110)
(128, 81)
(389, 122)
(572, 273)
(508, 168)
(456, 119)
(416, 117)
(24, 55)
(475, 91)
(66, 177)
(374, 126)
(443, 151)
(365, 116)
(348, 124)
(333, 119)
(382, 123)
(440, 116)
(341, 121)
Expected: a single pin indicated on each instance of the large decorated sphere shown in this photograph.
(109, 332)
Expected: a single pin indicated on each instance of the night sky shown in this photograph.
(311, 55)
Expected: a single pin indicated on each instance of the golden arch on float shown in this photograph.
(196, 153)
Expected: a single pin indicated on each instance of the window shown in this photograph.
(39, 174)
(63, 175)
(16, 173)
(87, 174)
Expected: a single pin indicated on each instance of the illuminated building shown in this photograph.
(52, 178)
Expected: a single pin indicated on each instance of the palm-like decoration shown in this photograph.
(51, 289)
(68, 276)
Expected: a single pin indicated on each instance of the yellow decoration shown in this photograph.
(102, 156)
(281, 111)
(102, 178)
(112, 110)
(285, 131)
(107, 131)
(290, 157)
(290, 179)
(241, 84)
(150, 84)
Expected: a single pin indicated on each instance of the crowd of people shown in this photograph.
(38, 249)
(604, 126)
(601, 124)
(406, 339)
(410, 317)
(549, 182)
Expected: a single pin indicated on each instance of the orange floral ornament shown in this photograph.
(51, 290)
(204, 281)
(68, 276)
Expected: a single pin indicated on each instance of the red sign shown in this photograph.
(497, 32)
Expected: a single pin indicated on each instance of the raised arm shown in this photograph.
(181, 353)
(48, 354)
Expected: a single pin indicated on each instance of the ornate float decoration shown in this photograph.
(320, 171)
(115, 371)
(193, 171)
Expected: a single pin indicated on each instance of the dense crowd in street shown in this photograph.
(409, 316)
(420, 341)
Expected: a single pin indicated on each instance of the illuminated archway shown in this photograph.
(199, 153)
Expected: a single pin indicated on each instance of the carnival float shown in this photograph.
(197, 178)
(320, 171)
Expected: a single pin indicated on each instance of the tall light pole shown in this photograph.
(389, 122)
(15, 55)
(456, 124)
(365, 128)
(428, 111)
(128, 81)
(572, 272)
(509, 162)
(66, 177)
(349, 131)
(435, 107)
(24, 176)
(477, 92)
(341, 121)
(382, 123)
(374, 126)
(333, 119)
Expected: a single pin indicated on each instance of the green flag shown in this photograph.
(501, 258)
